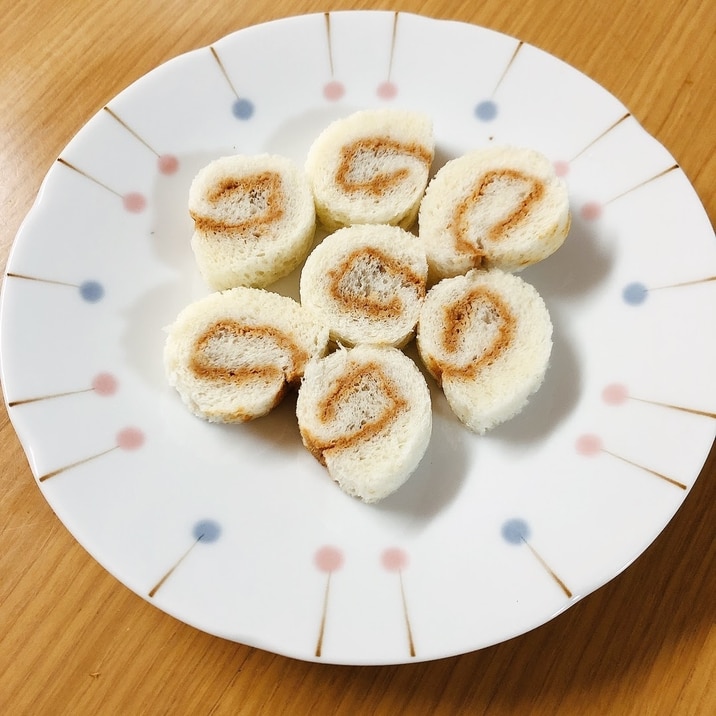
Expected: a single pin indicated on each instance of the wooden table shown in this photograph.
(75, 641)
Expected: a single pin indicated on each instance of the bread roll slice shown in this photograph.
(367, 283)
(254, 220)
(486, 337)
(365, 414)
(233, 355)
(497, 207)
(371, 167)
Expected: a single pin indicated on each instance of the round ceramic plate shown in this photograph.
(237, 530)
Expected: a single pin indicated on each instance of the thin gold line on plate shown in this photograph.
(223, 70)
(392, 45)
(324, 611)
(549, 570)
(681, 408)
(411, 641)
(660, 475)
(168, 574)
(88, 176)
(25, 401)
(116, 117)
(327, 16)
(60, 470)
(508, 66)
(642, 183)
(600, 136)
(41, 280)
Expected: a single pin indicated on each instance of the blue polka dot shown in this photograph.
(634, 293)
(486, 110)
(515, 531)
(207, 531)
(91, 291)
(242, 109)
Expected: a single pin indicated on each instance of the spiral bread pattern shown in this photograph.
(233, 355)
(367, 283)
(371, 167)
(497, 207)
(254, 220)
(486, 338)
(365, 414)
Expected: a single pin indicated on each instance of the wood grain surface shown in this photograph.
(73, 640)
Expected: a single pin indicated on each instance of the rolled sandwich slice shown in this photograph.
(233, 355)
(497, 207)
(371, 167)
(486, 338)
(254, 220)
(365, 414)
(367, 283)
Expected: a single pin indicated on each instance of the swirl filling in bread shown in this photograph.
(370, 281)
(365, 414)
(473, 223)
(362, 168)
(495, 207)
(246, 205)
(231, 351)
(371, 167)
(476, 329)
(367, 284)
(359, 405)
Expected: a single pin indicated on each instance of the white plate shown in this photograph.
(238, 530)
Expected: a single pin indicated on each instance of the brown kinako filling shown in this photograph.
(202, 365)
(376, 148)
(479, 306)
(262, 192)
(367, 297)
(459, 226)
(359, 378)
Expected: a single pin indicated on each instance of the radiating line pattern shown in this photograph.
(133, 201)
(90, 291)
(590, 444)
(388, 89)
(395, 560)
(129, 438)
(327, 559)
(204, 531)
(517, 531)
(591, 211)
(102, 384)
(242, 108)
(166, 163)
(487, 109)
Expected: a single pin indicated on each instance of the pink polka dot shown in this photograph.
(130, 439)
(615, 394)
(561, 168)
(134, 202)
(394, 559)
(168, 164)
(334, 90)
(104, 384)
(387, 90)
(328, 559)
(589, 444)
(591, 211)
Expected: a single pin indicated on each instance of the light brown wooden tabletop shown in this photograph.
(73, 640)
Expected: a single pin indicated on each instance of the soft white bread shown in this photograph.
(367, 283)
(233, 355)
(365, 414)
(497, 207)
(486, 337)
(254, 220)
(371, 167)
